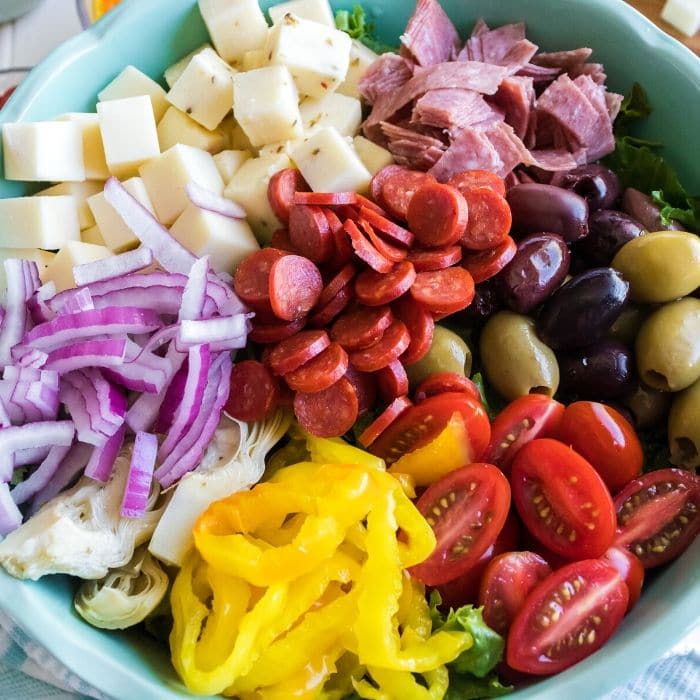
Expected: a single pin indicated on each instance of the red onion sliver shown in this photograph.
(15, 319)
(22, 437)
(213, 330)
(173, 397)
(5, 421)
(77, 407)
(114, 266)
(103, 458)
(138, 485)
(32, 455)
(195, 292)
(10, 517)
(205, 199)
(80, 301)
(41, 476)
(89, 353)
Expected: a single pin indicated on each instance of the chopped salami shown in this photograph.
(430, 36)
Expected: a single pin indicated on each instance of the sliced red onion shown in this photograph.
(213, 330)
(103, 458)
(32, 455)
(114, 266)
(161, 337)
(37, 305)
(77, 407)
(88, 353)
(173, 256)
(195, 293)
(172, 399)
(75, 303)
(19, 399)
(41, 475)
(45, 399)
(5, 420)
(10, 517)
(30, 357)
(97, 394)
(15, 321)
(149, 373)
(73, 465)
(205, 199)
(140, 479)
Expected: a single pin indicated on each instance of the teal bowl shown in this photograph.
(152, 34)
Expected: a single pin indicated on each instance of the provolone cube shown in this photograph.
(129, 134)
(266, 105)
(361, 58)
(80, 191)
(281, 147)
(253, 59)
(38, 222)
(43, 151)
(329, 163)
(314, 10)
(341, 112)
(228, 163)
(165, 178)
(684, 15)
(131, 82)
(225, 240)
(204, 91)
(115, 233)
(248, 187)
(92, 235)
(60, 270)
(176, 127)
(93, 150)
(238, 140)
(374, 157)
(42, 258)
(317, 56)
(235, 26)
(175, 71)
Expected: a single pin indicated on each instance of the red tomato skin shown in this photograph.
(631, 570)
(571, 601)
(605, 438)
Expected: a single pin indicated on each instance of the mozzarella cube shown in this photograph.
(93, 150)
(92, 235)
(165, 178)
(115, 233)
(175, 71)
(131, 82)
(43, 151)
(80, 191)
(229, 162)
(341, 112)
(314, 10)
(248, 187)
(60, 270)
(226, 241)
(684, 15)
(38, 222)
(361, 58)
(372, 156)
(129, 134)
(266, 105)
(176, 127)
(281, 147)
(253, 59)
(42, 258)
(330, 164)
(235, 26)
(317, 56)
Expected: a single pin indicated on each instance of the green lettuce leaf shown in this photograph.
(634, 106)
(471, 688)
(356, 25)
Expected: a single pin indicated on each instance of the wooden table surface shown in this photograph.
(652, 9)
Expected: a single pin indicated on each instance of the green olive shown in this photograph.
(628, 323)
(684, 428)
(660, 266)
(448, 353)
(648, 406)
(668, 346)
(515, 360)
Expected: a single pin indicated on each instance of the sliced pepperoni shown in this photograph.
(286, 399)
(420, 326)
(380, 177)
(281, 241)
(395, 409)
(446, 382)
(310, 233)
(469, 179)
(295, 287)
(344, 276)
(292, 353)
(321, 372)
(342, 249)
(281, 189)
(330, 412)
(489, 219)
(267, 333)
(252, 278)
(389, 251)
(364, 250)
(325, 199)
(387, 349)
(444, 291)
(427, 260)
(265, 355)
(361, 328)
(391, 230)
(365, 386)
(437, 215)
(485, 264)
(369, 204)
(326, 314)
(374, 289)
(392, 381)
(398, 190)
(254, 392)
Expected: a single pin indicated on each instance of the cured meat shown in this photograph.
(594, 70)
(613, 102)
(604, 142)
(416, 149)
(516, 97)
(430, 36)
(471, 150)
(563, 59)
(451, 109)
(388, 73)
(539, 74)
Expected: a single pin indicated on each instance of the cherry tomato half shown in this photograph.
(466, 509)
(562, 500)
(658, 515)
(567, 617)
(603, 436)
(631, 570)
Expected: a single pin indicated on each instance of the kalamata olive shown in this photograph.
(487, 300)
(648, 406)
(448, 353)
(642, 208)
(608, 231)
(537, 207)
(581, 311)
(684, 428)
(628, 323)
(598, 185)
(603, 370)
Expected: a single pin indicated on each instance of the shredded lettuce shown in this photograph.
(356, 25)
(469, 688)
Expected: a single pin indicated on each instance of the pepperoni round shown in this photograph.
(380, 177)
(444, 291)
(252, 278)
(321, 372)
(392, 381)
(427, 260)
(254, 392)
(469, 179)
(395, 409)
(333, 308)
(374, 289)
(330, 412)
(325, 199)
(365, 386)
(342, 250)
(310, 233)
(389, 251)
(399, 188)
(295, 287)
(369, 204)
(281, 189)
(292, 353)
(437, 215)
(361, 328)
(420, 326)
(485, 264)
(267, 333)
(344, 276)
(280, 240)
(364, 250)
(391, 230)
(387, 349)
(446, 382)
(489, 219)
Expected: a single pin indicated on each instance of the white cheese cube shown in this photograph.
(38, 222)
(175, 71)
(373, 157)
(266, 105)
(176, 127)
(238, 140)
(165, 178)
(684, 15)
(314, 10)
(317, 56)
(330, 164)
(43, 151)
(253, 59)
(92, 235)
(129, 133)
(93, 150)
(80, 191)
(60, 270)
(227, 241)
(341, 112)
(204, 91)
(131, 82)
(361, 58)
(42, 258)
(115, 233)
(281, 147)
(235, 26)
(229, 162)
(248, 187)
